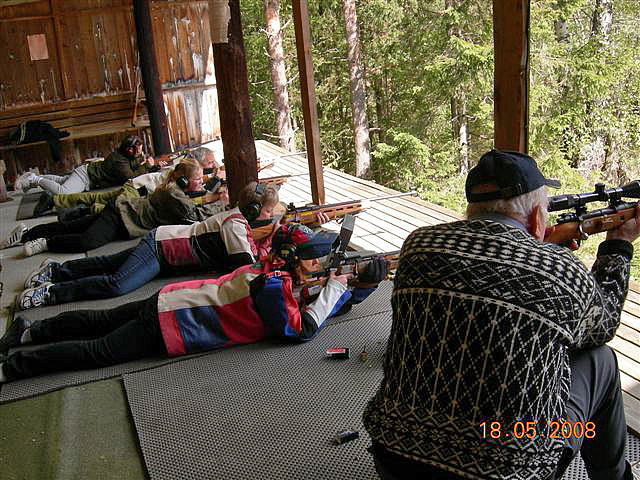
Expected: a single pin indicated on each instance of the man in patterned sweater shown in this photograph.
(498, 339)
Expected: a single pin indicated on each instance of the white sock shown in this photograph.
(3, 377)
(26, 336)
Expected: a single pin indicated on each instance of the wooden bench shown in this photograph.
(83, 119)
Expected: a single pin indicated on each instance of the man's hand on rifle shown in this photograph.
(629, 230)
(561, 237)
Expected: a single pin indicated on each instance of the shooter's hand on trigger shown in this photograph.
(629, 230)
(343, 279)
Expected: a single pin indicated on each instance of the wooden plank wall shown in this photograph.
(92, 52)
(185, 65)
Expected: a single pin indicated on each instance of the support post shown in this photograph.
(511, 74)
(308, 91)
(232, 82)
(151, 78)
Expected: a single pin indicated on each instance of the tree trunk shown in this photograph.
(560, 24)
(278, 74)
(358, 96)
(458, 101)
(460, 125)
(378, 91)
(602, 19)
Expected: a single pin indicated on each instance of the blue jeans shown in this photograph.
(106, 276)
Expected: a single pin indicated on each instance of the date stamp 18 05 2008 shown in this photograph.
(530, 430)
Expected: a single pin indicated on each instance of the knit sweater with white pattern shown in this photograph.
(483, 318)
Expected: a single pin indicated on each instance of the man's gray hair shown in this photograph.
(519, 207)
(200, 154)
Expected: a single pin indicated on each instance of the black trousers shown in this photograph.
(89, 339)
(82, 234)
(595, 396)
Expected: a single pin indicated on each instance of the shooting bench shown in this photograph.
(83, 119)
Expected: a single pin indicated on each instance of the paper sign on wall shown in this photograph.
(38, 46)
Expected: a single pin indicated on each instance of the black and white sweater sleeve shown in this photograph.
(601, 316)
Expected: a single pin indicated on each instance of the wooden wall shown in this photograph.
(92, 52)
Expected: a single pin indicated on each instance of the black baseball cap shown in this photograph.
(513, 172)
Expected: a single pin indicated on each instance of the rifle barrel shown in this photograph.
(294, 209)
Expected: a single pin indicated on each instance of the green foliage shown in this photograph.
(417, 56)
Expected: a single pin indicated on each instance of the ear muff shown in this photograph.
(129, 146)
(252, 210)
(130, 152)
(183, 182)
(287, 250)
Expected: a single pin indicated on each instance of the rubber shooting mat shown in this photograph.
(262, 411)
(377, 302)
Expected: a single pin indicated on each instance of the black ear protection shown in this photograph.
(183, 182)
(128, 147)
(287, 250)
(252, 210)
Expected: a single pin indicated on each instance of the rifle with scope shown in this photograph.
(581, 223)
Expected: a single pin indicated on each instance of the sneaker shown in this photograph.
(14, 237)
(35, 246)
(24, 182)
(45, 203)
(34, 297)
(12, 336)
(42, 274)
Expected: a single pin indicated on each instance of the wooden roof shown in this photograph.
(386, 223)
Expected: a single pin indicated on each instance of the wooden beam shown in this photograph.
(308, 91)
(150, 77)
(240, 159)
(511, 74)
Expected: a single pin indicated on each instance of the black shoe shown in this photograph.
(67, 215)
(13, 334)
(45, 203)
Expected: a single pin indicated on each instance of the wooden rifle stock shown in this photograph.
(308, 216)
(578, 227)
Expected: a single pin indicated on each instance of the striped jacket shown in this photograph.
(483, 318)
(222, 241)
(250, 304)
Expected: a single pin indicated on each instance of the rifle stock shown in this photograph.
(307, 215)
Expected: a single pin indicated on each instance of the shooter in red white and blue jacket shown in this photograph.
(252, 303)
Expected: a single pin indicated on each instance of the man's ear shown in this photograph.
(536, 223)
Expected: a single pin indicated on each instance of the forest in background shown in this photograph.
(426, 68)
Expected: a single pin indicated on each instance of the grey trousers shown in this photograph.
(77, 181)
